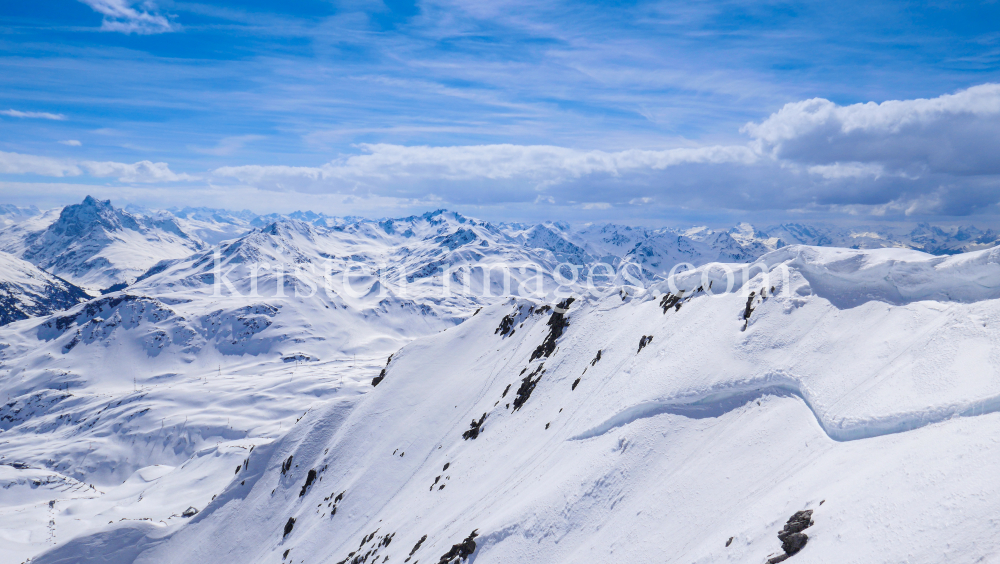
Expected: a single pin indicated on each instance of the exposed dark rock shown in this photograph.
(794, 543)
(506, 324)
(381, 375)
(461, 550)
(672, 301)
(416, 547)
(285, 554)
(645, 340)
(286, 465)
(748, 310)
(446, 465)
(575, 383)
(791, 536)
(558, 322)
(475, 429)
(189, 512)
(309, 480)
(527, 386)
(596, 358)
(288, 526)
(729, 542)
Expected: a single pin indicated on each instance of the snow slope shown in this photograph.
(95, 245)
(662, 427)
(26, 291)
(168, 372)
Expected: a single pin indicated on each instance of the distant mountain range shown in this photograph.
(97, 246)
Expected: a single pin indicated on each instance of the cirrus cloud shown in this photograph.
(120, 16)
(33, 115)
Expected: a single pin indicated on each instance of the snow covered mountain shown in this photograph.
(932, 239)
(171, 379)
(26, 291)
(837, 406)
(212, 226)
(567, 431)
(11, 214)
(95, 245)
(98, 246)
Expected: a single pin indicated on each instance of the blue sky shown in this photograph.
(633, 111)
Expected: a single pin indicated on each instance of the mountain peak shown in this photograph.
(79, 245)
(79, 219)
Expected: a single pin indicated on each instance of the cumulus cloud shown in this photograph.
(120, 16)
(951, 134)
(921, 156)
(33, 115)
(142, 171)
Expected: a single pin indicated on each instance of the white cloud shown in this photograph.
(798, 119)
(540, 165)
(16, 163)
(119, 15)
(71, 142)
(142, 171)
(35, 115)
(848, 170)
(898, 157)
(953, 134)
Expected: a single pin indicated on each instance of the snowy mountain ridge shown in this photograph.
(710, 418)
(26, 291)
(97, 246)
(530, 406)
